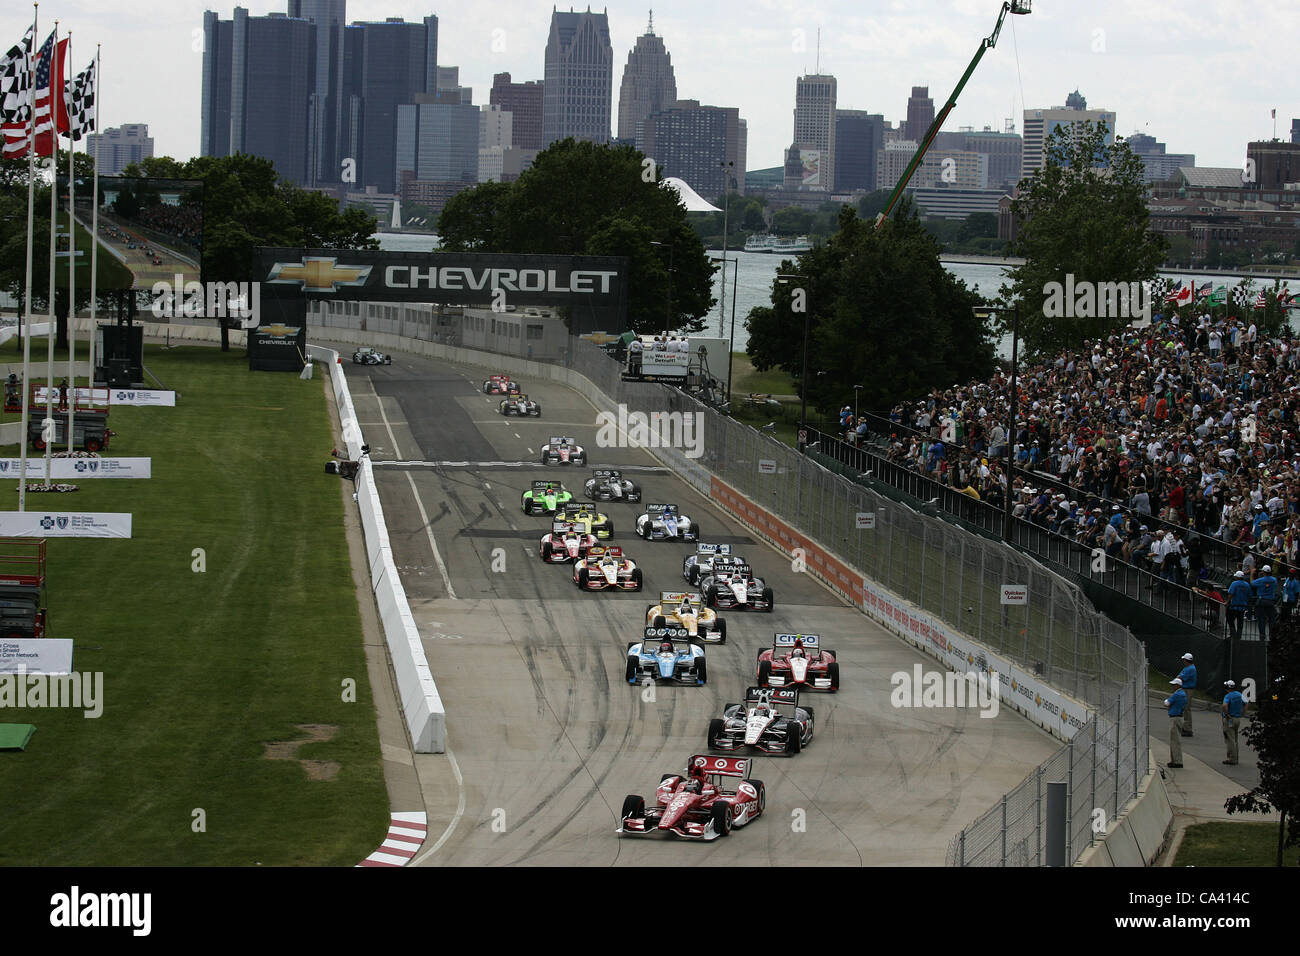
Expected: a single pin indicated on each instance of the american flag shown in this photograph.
(79, 100)
(15, 81)
(1260, 300)
(1175, 293)
(49, 72)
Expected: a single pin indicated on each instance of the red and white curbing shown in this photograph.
(406, 833)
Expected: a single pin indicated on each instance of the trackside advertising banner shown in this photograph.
(118, 396)
(33, 655)
(68, 469)
(1030, 695)
(65, 524)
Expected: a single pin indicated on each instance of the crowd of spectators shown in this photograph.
(184, 222)
(1145, 444)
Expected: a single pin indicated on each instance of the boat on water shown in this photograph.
(768, 243)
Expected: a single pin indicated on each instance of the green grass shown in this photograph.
(201, 669)
(109, 273)
(1232, 844)
(746, 379)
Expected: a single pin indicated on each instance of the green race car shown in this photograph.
(545, 498)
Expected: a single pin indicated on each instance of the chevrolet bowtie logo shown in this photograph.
(319, 274)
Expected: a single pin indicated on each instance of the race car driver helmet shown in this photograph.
(797, 650)
(666, 647)
(686, 608)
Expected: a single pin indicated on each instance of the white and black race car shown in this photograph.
(731, 584)
(563, 451)
(607, 484)
(694, 566)
(520, 405)
(368, 356)
(666, 523)
(770, 720)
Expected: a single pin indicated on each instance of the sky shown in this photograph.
(1200, 75)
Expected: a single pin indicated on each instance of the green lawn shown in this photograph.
(201, 670)
(1232, 844)
(746, 379)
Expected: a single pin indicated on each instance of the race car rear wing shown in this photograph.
(713, 549)
(564, 527)
(677, 597)
(606, 473)
(721, 766)
(659, 509)
(782, 641)
(666, 633)
(601, 552)
(773, 695)
(560, 440)
(542, 484)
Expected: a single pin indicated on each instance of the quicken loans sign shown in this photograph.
(591, 289)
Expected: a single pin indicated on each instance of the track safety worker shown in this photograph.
(1265, 587)
(1239, 592)
(1234, 705)
(1188, 676)
(1176, 702)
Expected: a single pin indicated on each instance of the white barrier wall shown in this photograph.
(421, 705)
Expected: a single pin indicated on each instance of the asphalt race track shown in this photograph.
(547, 736)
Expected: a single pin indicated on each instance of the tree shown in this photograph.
(979, 225)
(1083, 214)
(882, 312)
(753, 217)
(1274, 733)
(580, 198)
(873, 204)
(791, 221)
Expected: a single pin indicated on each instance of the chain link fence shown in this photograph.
(954, 575)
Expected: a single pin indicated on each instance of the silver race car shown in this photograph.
(770, 720)
(368, 356)
(701, 562)
(730, 583)
(563, 451)
(666, 523)
(520, 405)
(607, 484)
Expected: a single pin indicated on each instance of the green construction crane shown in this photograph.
(1012, 6)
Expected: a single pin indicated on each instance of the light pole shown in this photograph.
(803, 378)
(984, 313)
(731, 342)
(727, 166)
(857, 391)
(668, 309)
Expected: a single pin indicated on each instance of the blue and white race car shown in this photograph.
(665, 522)
(701, 562)
(667, 654)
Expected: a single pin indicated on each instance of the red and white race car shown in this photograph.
(566, 542)
(501, 385)
(605, 568)
(797, 660)
(695, 804)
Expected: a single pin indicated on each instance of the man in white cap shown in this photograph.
(1177, 703)
(1239, 594)
(1188, 676)
(1265, 588)
(1234, 705)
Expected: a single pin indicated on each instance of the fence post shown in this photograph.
(1119, 725)
(961, 852)
(1092, 834)
(1137, 742)
(1004, 830)
(1069, 805)
(1039, 812)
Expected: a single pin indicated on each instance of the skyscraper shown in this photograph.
(259, 74)
(578, 94)
(690, 141)
(858, 137)
(325, 103)
(648, 83)
(1039, 124)
(920, 114)
(1295, 131)
(117, 148)
(814, 134)
(524, 102)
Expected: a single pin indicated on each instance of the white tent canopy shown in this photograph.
(693, 201)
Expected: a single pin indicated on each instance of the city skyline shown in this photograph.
(749, 57)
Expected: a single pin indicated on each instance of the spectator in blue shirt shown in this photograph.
(1177, 703)
(1239, 593)
(1188, 676)
(1290, 594)
(1265, 587)
(1234, 705)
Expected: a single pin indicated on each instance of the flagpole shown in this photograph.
(72, 259)
(27, 307)
(94, 228)
(54, 217)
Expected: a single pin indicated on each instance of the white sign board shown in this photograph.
(70, 469)
(35, 655)
(766, 466)
(1015, 594)
(65, 524)
(866, 520)
(116, 396)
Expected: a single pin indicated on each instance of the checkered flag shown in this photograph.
(16, 81)
(1242, 297)
(79, 97)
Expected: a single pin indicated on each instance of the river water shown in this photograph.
(757, 270)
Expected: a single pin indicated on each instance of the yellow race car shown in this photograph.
(592, 521)
(684, 609)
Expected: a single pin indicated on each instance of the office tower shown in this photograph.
(814, 134)
(1160, 165)
(120, 146)
(1039, 124)
(1295, 131)
(691, 142)
(524, 103)
(1004, 150)
(325, 103)
(920, 114)
(859, 135)
(1276, 163)
(579, 78)
(437, 141)
(259, 75)
(648, 83)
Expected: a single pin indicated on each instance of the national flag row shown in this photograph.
(38, 102)
(1210, 295)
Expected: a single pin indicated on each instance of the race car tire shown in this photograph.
(711, 597)
(701, 672)
(642, 531)
(631, 674)
(634, 496)
(538, 411)
(636, 578)
(764, 672)
(659, 621)
(721, 630)
(794, 741)
(811, 715)
(582, 578)
(833, 672)
(762, 794)
(716, 726)
(693, 575)
(544, 458)
(665, 776)
(546, 551)
(633, 807)
(722, 819)
(506, 411)
(769, 599)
